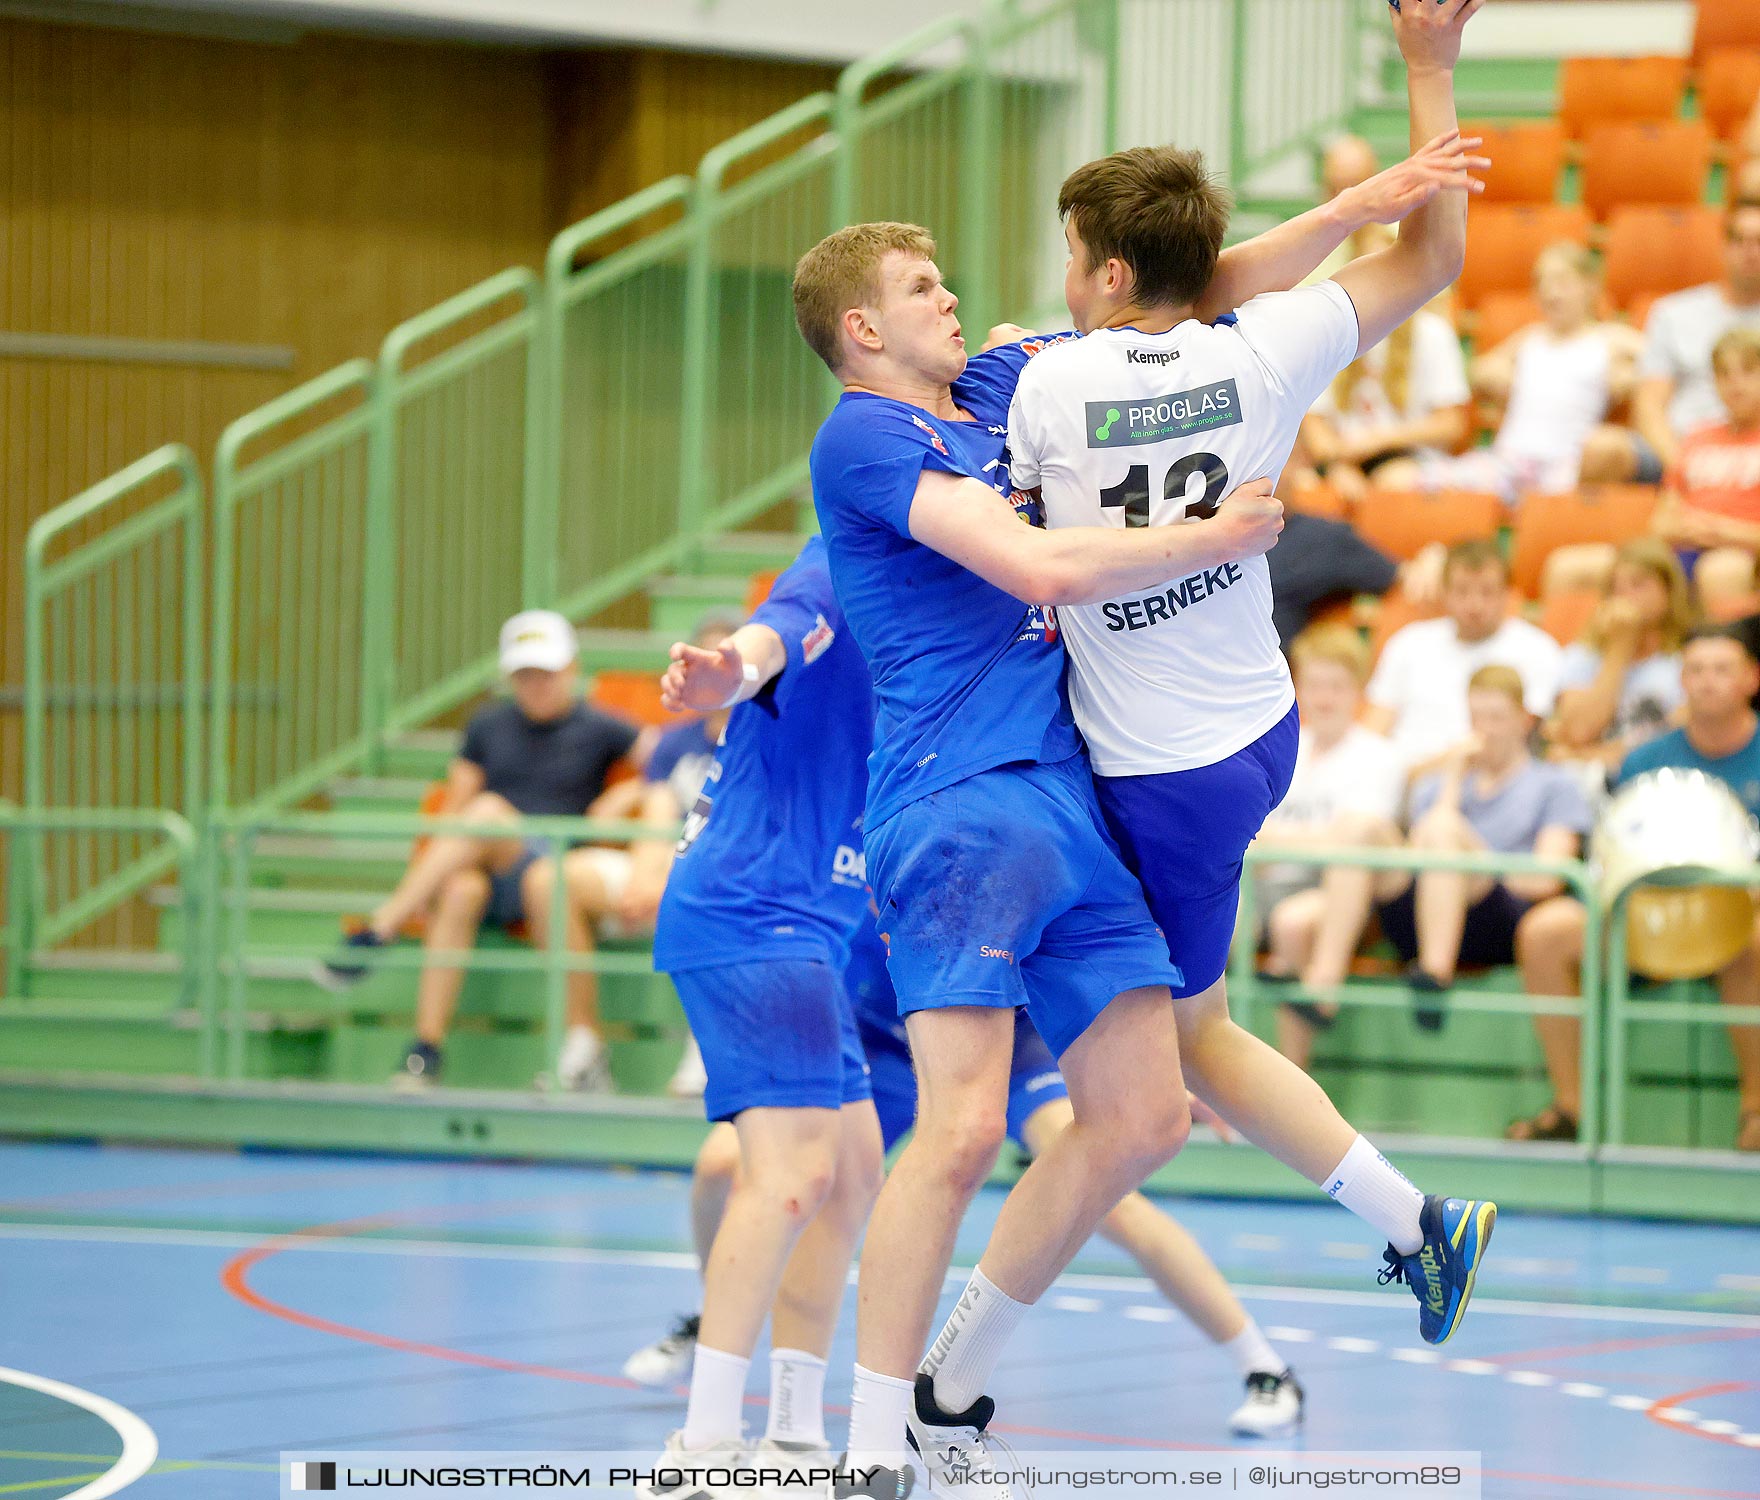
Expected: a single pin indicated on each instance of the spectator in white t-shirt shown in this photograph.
(1418, 694)
(1555, 379)
(1403, 402)
(1346, 791)
(1621, 684)
(1676, 392)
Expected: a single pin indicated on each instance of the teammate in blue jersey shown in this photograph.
(1038, 1108)
(1181, 692)
(996, 879)
(754, 928)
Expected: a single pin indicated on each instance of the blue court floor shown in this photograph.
(234, 1306)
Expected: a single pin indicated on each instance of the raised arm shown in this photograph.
(966, 520)
(1391, 285)
(1280, 258)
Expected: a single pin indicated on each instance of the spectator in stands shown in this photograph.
(1710, 508)
(1721, 736)
(543, 753)
(1489, 794)
(1401, 403)
(1318, 560)
(1555, 380)
(1675, 392)
(1620, 686)
(1418, 693)
(1346, 790)
(1347, 162)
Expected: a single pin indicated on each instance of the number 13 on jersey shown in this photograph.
(1131, 494)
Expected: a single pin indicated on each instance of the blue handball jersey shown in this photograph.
(770, 864)
(966, 677)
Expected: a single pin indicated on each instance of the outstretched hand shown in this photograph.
(1429, 31)
(1444, 164)
(701, 680)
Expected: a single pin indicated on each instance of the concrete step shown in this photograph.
(678, 603)
(625, 650)
(743, 553)
(355, 792)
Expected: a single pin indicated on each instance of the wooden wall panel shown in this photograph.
(306, 195)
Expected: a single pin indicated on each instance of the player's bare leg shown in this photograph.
(452, 928)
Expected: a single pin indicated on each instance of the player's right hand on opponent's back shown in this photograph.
(701, 680)
(1249, 520)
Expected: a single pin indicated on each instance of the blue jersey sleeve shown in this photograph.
(986, 389)
(869, 457)
(802, 609)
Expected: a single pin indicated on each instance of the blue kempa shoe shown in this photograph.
(1442, 1270)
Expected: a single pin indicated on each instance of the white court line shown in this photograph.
(140, 1448)
(1589, 1312)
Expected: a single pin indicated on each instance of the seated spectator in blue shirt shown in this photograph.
(543, 753)
(1490, 794)
(1721, 737)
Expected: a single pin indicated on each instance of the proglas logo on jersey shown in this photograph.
(1155, 419)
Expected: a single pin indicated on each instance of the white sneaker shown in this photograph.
(583, 1067)
(730, 1454)
(689, 1078)
(1274, 1405)
(956, 1453)
(666, 1361)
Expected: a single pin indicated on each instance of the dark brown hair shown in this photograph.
(1159, 211)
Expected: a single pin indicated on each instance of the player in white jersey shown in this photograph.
(1180, 690)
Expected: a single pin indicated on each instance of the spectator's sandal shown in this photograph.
(1748, 1131)
(1551, 1124)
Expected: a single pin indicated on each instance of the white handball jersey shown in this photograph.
(1130, 429)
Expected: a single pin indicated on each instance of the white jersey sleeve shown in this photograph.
(1126, 429)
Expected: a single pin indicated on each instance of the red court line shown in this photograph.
(234, 1277)
(1681, 1398)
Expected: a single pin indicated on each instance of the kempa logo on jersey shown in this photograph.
(1150, 356)
(1132, 422)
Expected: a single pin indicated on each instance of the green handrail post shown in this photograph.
(699, 480)
(979, 185)
(556, 975)
(1239, 70)
(229, 469)
(1111, 43)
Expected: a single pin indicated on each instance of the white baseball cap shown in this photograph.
(537, 638)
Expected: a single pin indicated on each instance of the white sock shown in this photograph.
(1378, 1193)
(964, 1357)
(797, 1398)
(1253, 1354)
(879, 1407)
(718, 1391)
(580, 1049)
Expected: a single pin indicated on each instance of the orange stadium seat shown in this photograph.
(1504, 239)
(1612, 513)
(1653, 251)
(1729, 83)
(758, 590)
(1500, 315)
(1657, 162)
(1595, 90)
(1320, 500)
(1526, 160)
(1566, 616)
(1403, 522)
(1721, 24)
(633, 695)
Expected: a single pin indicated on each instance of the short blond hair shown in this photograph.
(1497, 678)
(1338, 644)
(1738, 345)
(843, 271)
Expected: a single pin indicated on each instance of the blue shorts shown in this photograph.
(1033, 1080)
(1185, 833)
(1004, 890)
(778, 1034)
(507, 902)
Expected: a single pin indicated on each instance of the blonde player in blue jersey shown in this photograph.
(1181, 692)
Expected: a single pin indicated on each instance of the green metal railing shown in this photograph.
(1623, 1011)
(113, 680)
(236, 840)
(1576, 879)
